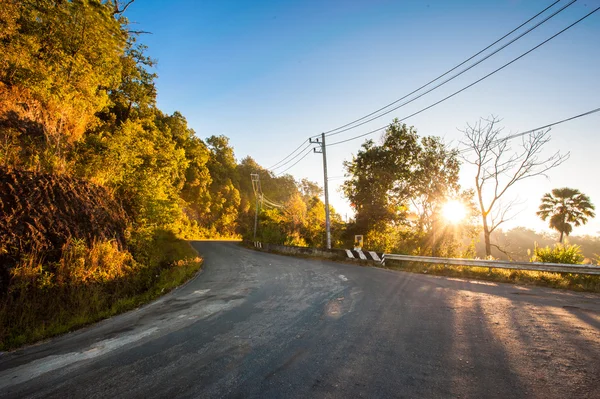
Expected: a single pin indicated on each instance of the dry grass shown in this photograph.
(88, 284)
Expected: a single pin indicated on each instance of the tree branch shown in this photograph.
(121, 10)
(139, 32)
(505, 252)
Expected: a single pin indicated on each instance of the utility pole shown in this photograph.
(257, 192)
(325, 185)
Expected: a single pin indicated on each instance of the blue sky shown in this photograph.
(269, 74)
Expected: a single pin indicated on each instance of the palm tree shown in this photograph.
(566, 207)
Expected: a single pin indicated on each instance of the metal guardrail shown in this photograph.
(500, 264)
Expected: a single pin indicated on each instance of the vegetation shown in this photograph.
(99, 186)
(397, 190)
(87, 285)
(560, 253)
(566, 207)
(519, 243)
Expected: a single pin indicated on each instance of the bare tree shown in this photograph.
(499, 168)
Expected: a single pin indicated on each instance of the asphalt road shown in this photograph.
(261, 325)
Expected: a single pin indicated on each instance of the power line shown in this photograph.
(291, 159)
(295, 163)
(271, 203)
(455, 75)
(275, 166)
(512, 136)
(448, 71)
(474, 83)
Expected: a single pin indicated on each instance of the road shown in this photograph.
(261, 325)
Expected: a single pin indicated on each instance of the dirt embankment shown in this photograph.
(40, 212)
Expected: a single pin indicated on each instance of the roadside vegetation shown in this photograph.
(99, 187)
(88, 284)
(556, 253)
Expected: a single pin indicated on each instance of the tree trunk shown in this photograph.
(486, 229)
(486, 236)
(562, 232)
(488, 245)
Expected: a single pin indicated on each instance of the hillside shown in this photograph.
(39, 213)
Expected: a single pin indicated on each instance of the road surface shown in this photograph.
(261, 325)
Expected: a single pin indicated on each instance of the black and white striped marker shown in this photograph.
(365, 255)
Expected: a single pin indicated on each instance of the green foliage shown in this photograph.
(397, 189)
(565, 208)
(89, 284)
(60, 60)
(380, 177)
(559, 253)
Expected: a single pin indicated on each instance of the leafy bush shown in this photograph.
(559, 253)
(89, 283)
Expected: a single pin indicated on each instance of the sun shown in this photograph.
(454, 211)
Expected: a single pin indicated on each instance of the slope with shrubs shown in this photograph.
(67, 257)
(40, 213)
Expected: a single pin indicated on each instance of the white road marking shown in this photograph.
(343, 278)
(38, 367)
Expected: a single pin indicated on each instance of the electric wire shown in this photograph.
(268, 205)
(291, 153)
(512, 136)
(295, 163)
(306, 145)
(278, 164)
(455, 75)
(272, 203)
(472, 84)
(448, 71)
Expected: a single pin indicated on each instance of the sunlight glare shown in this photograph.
(454, 211)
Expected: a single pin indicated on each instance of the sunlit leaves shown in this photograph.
(59, 61)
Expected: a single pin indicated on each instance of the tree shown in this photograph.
(309, 189)
(434, 180)
(59, 62)
(225, 197)
(403, 174)
(380, 176)
(565, 207)
(498, 168)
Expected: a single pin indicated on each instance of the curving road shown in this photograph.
(253, 324)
